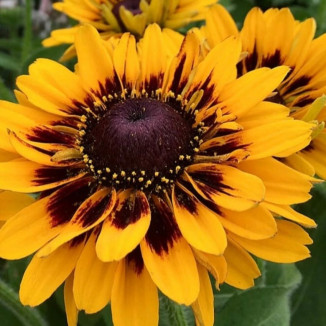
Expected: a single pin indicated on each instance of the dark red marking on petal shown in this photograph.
(82, 238)
(131, 211)
(64, 202)
(185, 201)
(31, 146)
(208, 93)
(226, 148)
(178, 84)
(277, 98)
(211, 205)
(273, 60)
(306, 100)
(250, 62)
(210, 119)
(296, 84)
(47, 135)
(310, 147)
(163, 230)
(111, 86)
(47, 175)
(154, 83)
(210, 181)
(93, 212)
(135, 260)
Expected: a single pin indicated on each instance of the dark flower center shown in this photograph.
(138, 141)
(131, 5)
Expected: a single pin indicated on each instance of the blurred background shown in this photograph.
(285, 295)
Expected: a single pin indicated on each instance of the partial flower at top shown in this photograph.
(113, 17)
(152, 172)
(275, 38)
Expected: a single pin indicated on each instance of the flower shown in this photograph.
(275, 38)
(152, 172)
(113, 17)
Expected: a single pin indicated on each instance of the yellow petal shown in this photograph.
(95, 209)
(6, 156)
(199, 226)
(44, 275)
(227, 186)
(12, 202)
(203, 307)
(300, 164)
(94, 67)
(219, 25)
(284, 185)
(33, 153)
(93, 279)
(164, 246)
(126, 61)
(238, 97)
(290, 214)
(287, 246)
(256, 223)
(70, 306)
(153, 59)
(216, 265)
(182, 64)
(242, 269)
(40, 222)
(125, 228)
(286, 137)
(134, 297)
(25, 176)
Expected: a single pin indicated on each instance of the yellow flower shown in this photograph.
(275, 38)
(113, 17)
(152, 172)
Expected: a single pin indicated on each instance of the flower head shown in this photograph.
(113, 17)
(275, 38)
(152, 172)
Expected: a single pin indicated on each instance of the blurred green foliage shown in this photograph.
(285, 295)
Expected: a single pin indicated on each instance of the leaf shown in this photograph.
(265, 305)
(173, 314)
(8, 62)
(107, 316)
(309, 299)
(5, 92)
(26, 316)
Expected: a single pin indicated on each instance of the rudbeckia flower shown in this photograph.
(275, 38)
(113, 17)
(152, 172)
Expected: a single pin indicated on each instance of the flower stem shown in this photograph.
(27, 316)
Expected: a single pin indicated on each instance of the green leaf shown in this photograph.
(5, 92)
(309, 299)
(107, 316)
(173, 314)
(26, 316)
(8, 62)
(265, 305)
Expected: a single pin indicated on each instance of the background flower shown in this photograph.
(111, 17)
(274, 38)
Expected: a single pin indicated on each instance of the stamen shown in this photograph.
(66, 155)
